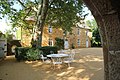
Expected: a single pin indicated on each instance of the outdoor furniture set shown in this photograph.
(60, 58)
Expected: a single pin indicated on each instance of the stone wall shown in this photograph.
(72, 38)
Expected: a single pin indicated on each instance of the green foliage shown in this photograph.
(27, 53)
(59, 43)
(96, 40)
(16, 12)
(6, 7)
(9, 35)
(33, 43)
(60, 13)
(20, 53)
(33, 54)
(47, 49)
(63, 13)
(2, 35)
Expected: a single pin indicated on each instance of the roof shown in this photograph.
(31, 18)
(83, 25)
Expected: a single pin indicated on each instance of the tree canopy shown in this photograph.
(96, 40)
(61, 13)
(58, 13)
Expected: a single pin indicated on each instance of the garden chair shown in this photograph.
(56, 61)
(42, 57)
(70, 58)
(45, 60)
(61, 51)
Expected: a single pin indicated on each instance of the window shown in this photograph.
(87, 33)
(78, 42)
(78, 32)
(50, 29)
(50, 42)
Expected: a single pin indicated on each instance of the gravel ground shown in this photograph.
(88, 65)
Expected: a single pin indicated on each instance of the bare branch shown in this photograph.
(21, 3)
(36, 2)
(27, 13)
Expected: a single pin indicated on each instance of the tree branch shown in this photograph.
(27, 13)
(21, 3)
(36, 2)
(51, 3)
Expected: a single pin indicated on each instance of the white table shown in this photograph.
(57, 58)
(58, 55)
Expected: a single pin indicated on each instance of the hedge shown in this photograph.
(22, 52)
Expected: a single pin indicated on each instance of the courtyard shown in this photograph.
(88, 65)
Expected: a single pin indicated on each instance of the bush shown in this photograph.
(47, 49)
(33, 54)
(20, 53)
(27, 53)
(59, 43)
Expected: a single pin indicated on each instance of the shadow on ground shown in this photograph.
(88, 65)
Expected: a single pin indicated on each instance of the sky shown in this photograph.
(4, 26)
(89, 16)
(4, 23)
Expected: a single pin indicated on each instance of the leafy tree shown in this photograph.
(9, 35)
(59, 43)
(2, 35)
(96, 40)
(58, 13)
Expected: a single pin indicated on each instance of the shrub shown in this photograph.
(20, 53)
(27, 53)
(59, 43)
(33, 54)
(47, 49)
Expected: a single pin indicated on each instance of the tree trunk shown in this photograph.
(107, 17)
(41, 15)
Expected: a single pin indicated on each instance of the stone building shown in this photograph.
(80, 36)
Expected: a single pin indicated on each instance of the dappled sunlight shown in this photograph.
(92, 58)
(37, 64)
(69, 68)
(10, 57)
(63, 73)
(81, 61)
(95, 59)
(47, 72)
(79, 71)
(85, 78)
(31, 62)
(86, 66)
(34, 63)
(66, 72)
(83, 68)
(72, 78)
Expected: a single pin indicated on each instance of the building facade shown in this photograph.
(80, 36)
